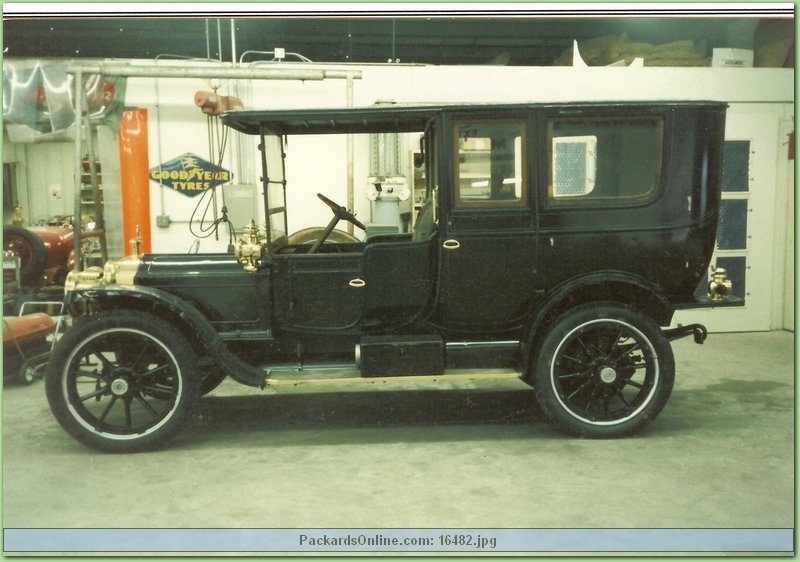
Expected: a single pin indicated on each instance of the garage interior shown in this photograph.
(398, 455)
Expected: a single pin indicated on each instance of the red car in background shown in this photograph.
(46, 253)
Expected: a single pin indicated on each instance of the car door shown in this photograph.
(397, 273)
(487, 250)
(318, 292)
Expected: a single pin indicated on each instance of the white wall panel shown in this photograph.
(48, 176)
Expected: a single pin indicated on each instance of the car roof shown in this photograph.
(371, 119)
(392, 117)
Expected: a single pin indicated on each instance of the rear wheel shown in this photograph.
(122, 381)
(603, 370)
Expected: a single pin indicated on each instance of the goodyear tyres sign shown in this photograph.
(190, 175)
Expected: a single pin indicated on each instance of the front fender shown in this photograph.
(182, 314)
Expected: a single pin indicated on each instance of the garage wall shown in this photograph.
(44, 175)
(178, 127)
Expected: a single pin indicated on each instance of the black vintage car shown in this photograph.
(554, 246)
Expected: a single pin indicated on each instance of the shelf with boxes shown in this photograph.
(91, 190)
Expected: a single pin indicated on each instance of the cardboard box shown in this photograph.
(741, 58)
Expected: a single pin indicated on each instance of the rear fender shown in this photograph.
(613, 286)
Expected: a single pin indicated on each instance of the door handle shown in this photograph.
(357, 283)
(451, 244)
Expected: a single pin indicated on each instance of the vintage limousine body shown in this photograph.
(555, 244)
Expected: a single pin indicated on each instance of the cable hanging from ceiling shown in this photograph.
(206, 217)
(201, 225)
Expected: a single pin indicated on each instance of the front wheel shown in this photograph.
(122, 381)
(603, 370)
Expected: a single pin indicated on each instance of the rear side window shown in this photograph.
(490, 163)
(604, 160)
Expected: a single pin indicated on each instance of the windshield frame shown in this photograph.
(274, 232)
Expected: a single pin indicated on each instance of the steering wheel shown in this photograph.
(341, 212)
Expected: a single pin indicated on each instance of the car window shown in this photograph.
(604, 160)
(490, 163)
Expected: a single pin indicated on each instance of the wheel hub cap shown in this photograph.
(608, 375)
(119, 387)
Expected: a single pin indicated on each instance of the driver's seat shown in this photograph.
(425, 225)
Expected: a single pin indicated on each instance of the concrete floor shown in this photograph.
(721, 455)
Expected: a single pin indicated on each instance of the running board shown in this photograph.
(305, 378)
